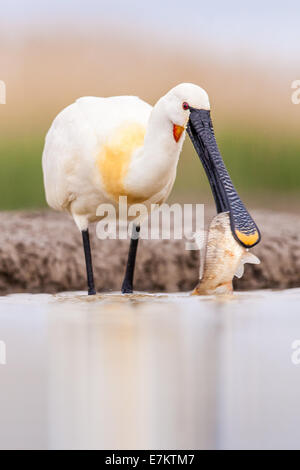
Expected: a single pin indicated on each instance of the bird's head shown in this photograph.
(178, 102)
(187, 107)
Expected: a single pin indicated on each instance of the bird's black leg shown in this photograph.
(127, 286)
(88, 261)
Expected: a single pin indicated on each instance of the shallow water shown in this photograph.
(150, 371)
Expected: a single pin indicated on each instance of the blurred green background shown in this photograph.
(59, 53)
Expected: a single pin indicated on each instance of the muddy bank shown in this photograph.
(42, 252)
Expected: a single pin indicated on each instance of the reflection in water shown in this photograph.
(130, 375)
(146, 371)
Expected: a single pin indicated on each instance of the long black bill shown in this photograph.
(201, 132)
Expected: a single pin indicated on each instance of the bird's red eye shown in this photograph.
(185, 105)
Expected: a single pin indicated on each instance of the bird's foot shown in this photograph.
(127, 288)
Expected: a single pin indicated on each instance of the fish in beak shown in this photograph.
(222, 258)
(201, 132)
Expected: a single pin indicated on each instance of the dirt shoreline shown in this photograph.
(42, 252)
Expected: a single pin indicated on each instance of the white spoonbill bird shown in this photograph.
(98, 149)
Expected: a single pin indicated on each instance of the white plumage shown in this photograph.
(98, 149)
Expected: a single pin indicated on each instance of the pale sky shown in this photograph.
(269, 29)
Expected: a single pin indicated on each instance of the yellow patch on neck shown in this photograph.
(115, 156)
